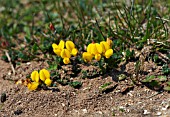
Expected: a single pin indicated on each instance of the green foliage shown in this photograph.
(165, 69)
(107, 87)
(122, 77)
(75, 84)
(167, 88)
(149, 78)
(162, 78)
(84, 74)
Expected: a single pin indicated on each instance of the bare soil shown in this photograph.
(88, 101)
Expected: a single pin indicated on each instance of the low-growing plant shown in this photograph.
(65, 53)
(37, 79)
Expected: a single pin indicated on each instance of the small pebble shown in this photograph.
(84, 111)
(9, 73)
(145, 112)
(164, 109)
(63, 104)
(100, 112)
(158, 113)
(28, 63)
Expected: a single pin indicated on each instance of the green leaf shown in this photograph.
(105, 85)
(168, 83)
(129, 53)
(4, 57)
(154, 83)
(34, 48)
(27, 39)
(23, 56)
(121, 77)
(167, 88)
(53, 67)
(148, 78)
(27, 30)
(165, 69)
(155, 58)
(75, 84)
(162, 78)
(63, 81)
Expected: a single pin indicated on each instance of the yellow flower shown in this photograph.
(65, 53)
(89, 48)
(98, 57)
(48, 82)
(87, 56)
(74, 51)
(61, 45)
(33, 85)
(105, 46)
(66, 60)
(35, 76)
(44, 74)
(71, 47)
(58, 48)
(98, 48)
(109, 53)
(95, 49)
(54, 46)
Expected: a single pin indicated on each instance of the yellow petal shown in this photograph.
(66, 60)
(102, 45)
(44, 74)
(65, 53)
(74, 51)
(87, 56)
(105, 46)
(35, 76)
(70, 45)
(98, 57)
(55, 46)
(48, 82)
(89, 47)
(33, 85)
(99, 48)
(57, 51)
(109, 53)
(61, 45)
(29, 85)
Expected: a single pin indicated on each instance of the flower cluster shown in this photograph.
(65, 53)
(96, 50)
(37, 78)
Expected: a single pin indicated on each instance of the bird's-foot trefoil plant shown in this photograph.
(65, 53)
(99, 52)
(37, 79)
